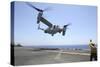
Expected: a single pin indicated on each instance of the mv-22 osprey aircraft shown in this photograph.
(52, 29)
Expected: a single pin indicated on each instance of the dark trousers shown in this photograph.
(93, 56)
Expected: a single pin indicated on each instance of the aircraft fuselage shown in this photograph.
(53, 30)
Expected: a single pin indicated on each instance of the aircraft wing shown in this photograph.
(46, 22)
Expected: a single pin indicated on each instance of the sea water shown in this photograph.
(62, 46)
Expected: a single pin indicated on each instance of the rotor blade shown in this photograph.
(33, 7)
(47, 9)
(67, 25)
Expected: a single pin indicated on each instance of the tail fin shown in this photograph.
(64, 29)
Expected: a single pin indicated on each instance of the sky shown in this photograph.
(83, 26)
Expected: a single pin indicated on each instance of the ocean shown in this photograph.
(62, 46)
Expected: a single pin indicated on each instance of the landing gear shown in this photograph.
(40, 28)
(52, 34)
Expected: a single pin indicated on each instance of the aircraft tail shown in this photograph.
(64, 29)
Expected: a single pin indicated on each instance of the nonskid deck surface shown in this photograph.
(27, 56)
